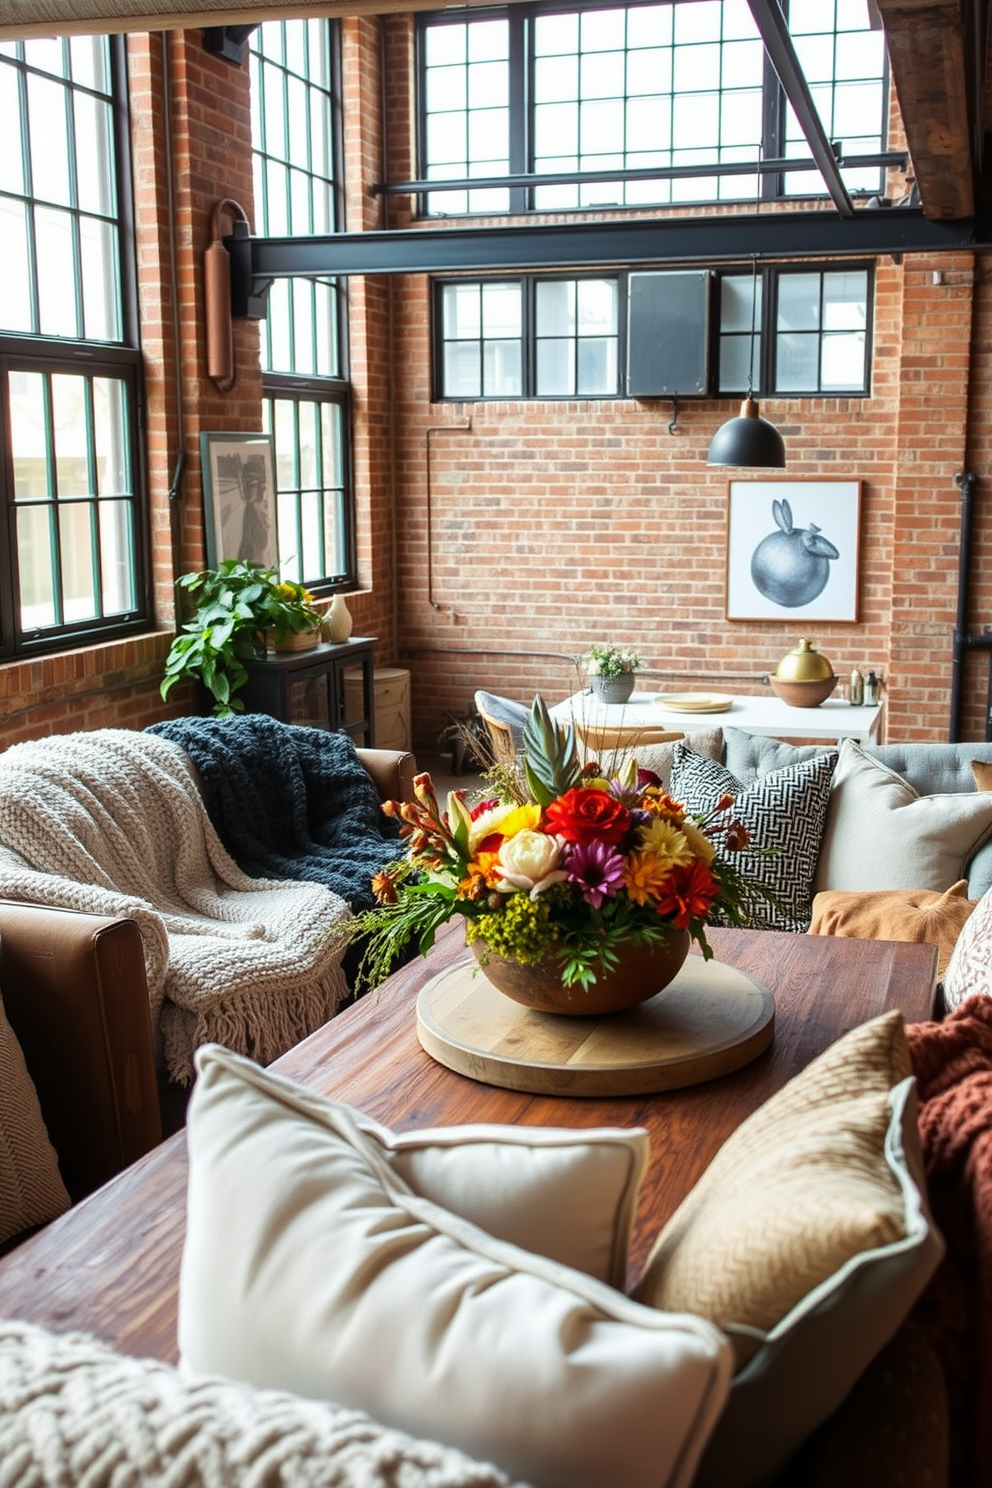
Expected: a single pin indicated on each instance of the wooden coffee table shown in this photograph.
(111, 1265)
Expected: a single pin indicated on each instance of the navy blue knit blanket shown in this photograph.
(290, 802)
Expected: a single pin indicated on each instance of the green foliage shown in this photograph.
(552, 760)
(236, 604)
(611, 660)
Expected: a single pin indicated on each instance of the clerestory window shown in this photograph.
(541, 336)
(72, 545)
(682, 87)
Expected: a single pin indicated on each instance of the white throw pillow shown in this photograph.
(881, 834)
(568, 1195)
(310, 1265)
(969, 971)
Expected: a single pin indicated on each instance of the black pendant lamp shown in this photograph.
(748, 440)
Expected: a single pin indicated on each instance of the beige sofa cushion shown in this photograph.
(309, 1265)
(31, 1187)
(881, 834)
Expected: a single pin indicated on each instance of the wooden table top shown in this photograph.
(111, 1265)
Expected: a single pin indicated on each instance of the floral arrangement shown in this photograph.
(237, 605)
(611, 661)
(560, 867)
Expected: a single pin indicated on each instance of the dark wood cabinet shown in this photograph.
(308, 687)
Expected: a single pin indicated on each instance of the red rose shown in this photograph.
(582, 815)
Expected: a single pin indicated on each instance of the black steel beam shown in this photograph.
(774, 237)
(775, 34)
(899, 159)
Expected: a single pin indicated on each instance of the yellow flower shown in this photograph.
(501, 817)
(645, 877)
(701, 845)
(666, 842)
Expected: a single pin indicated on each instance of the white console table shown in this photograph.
(769, 716)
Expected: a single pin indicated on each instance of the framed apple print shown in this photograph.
(793, 550)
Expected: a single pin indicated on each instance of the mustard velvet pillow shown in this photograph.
(31, 1187)
(923, 916)
(807, 1240)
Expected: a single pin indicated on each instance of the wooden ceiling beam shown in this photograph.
(928, 45)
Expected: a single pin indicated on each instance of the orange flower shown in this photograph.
(582, 815)
(689, 895)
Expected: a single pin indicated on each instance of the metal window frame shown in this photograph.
(528, 336)
(337, 391)
(92, 361)
(773, 29)
(767, 329)
(121, 360)
(315, 387)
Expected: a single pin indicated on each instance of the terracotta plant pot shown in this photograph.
(642, 973)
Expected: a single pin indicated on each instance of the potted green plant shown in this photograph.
(239, 606)
(611, 669)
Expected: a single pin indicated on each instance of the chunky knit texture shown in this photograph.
(73, 1412)
(952, 1062)
(289, 802)
(112, 822)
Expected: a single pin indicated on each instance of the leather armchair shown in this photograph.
(75, 995)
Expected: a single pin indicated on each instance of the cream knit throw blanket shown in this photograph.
(74, 1414)
(111, 822)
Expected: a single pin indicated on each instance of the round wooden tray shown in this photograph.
(710, 1020)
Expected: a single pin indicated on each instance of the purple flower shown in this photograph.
(597, 869)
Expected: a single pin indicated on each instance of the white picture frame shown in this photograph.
(793, 550)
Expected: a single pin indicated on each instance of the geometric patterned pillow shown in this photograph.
(969, 971)
(785, 812)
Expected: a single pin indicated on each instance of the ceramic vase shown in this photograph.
(614, 689)
(338, 621)
(643, 971)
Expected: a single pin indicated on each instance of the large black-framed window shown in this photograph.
(548, 89)
(554, 336)
(812, 330)
(296, 140)
(73, 565)
(529, 336)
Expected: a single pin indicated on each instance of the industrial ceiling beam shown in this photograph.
(775, 236)
(940, 100)
(772, 25)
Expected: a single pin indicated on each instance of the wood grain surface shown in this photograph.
(709, 1020)
(111, 1265)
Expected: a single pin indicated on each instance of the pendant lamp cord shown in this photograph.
(754, 278)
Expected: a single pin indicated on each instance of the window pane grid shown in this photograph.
(292, 132)
(292, 82)
(813, 341)
(310, 464)
(544, 338)
(641, 87)
(59, 192)
(74, 498)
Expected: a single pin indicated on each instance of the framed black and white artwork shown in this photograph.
(239, 498)
(793, 550)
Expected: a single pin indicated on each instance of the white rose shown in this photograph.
(529, 861)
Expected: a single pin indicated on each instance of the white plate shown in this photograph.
(696, 702)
